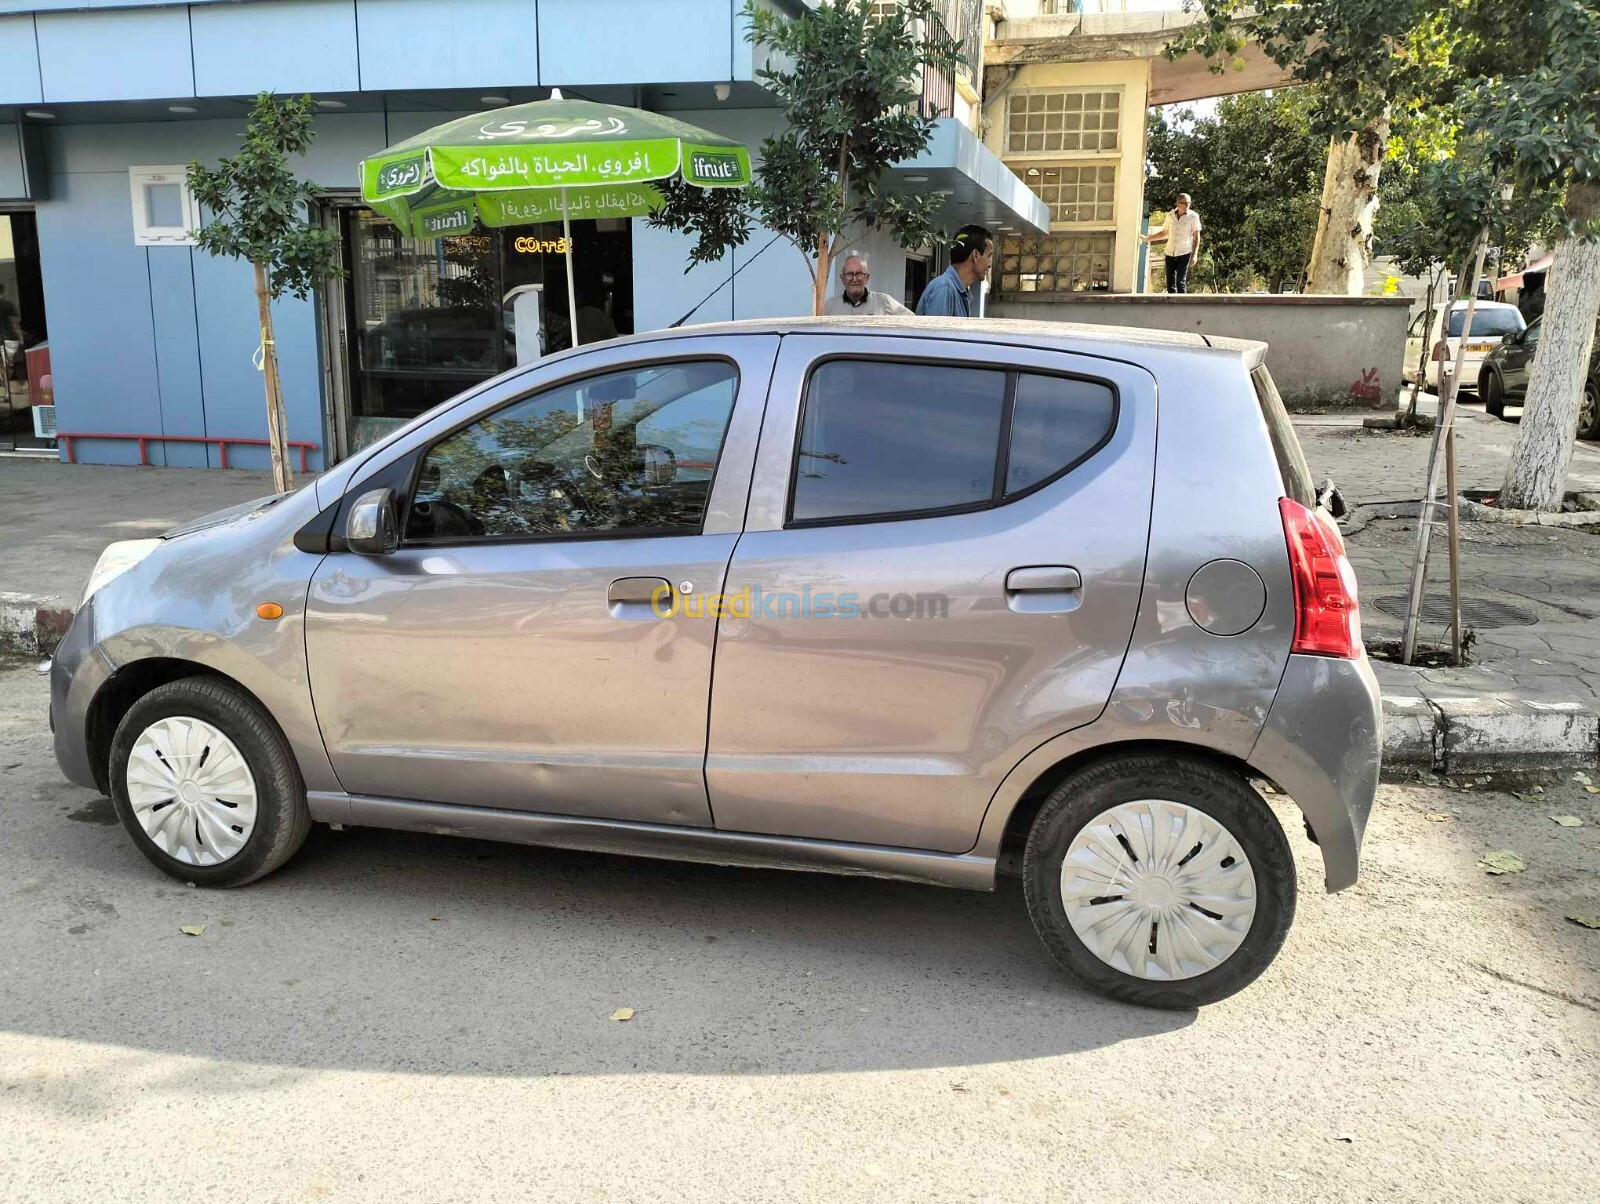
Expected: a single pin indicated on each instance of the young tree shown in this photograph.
(1367, 57)
(849, 86)
(258, 212)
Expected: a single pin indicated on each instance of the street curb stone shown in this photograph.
(1488, 735)
(32, 626)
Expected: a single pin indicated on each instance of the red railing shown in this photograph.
(65, 438)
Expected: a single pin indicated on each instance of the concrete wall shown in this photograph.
(1323, 350)
(1132, 76)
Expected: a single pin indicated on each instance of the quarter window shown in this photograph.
(627, 451)
(882, 439)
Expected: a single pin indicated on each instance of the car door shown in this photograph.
(520, 648)
(1416, 337)
(1517, 360)
(940, 570)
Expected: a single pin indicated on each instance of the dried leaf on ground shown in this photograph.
(1568, 821)
(1503, 861)
(622, 1014)
(1593, 789)
(1437, 817)
(192, 929)
(1585, 920)
(1580, 776)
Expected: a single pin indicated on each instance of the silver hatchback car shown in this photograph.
(918, 599)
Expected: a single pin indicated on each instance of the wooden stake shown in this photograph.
(277, 427)
(1442, 430)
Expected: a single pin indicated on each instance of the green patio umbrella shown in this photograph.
(533, 162)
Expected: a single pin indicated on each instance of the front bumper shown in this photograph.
(76, 675)
(1323, 744)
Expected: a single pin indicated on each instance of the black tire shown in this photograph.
(1589, 410)
(1221, 794)
(1494, 400)
(282, 818)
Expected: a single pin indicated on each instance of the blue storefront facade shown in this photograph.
(100, 100)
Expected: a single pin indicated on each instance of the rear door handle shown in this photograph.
(1044, 589)
(1044, 577)
(640, 598)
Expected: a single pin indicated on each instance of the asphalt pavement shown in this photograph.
(405, 1017)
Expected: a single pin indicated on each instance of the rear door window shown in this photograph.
(1292, 466)
(1494, 322)
(886, 439)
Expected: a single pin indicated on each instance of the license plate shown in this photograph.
(1480, 346)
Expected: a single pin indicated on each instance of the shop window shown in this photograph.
(1057, 263)
(1076, 194)
(1064, 119)
(164, 210)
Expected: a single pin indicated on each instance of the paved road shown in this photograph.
(400, 1017)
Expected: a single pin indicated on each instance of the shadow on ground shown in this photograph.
(397, 952)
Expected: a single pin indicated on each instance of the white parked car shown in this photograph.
(1491, 322)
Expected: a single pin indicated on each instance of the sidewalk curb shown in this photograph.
(1495, 734)
(32, 626)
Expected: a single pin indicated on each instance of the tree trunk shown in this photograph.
(1349, 201)
(277, 427)
(1537, 474)
(819, 286)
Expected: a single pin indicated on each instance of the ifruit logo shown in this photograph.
(713, 167)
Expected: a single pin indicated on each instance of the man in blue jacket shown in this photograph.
(950, 293)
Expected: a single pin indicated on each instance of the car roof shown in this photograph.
(1462, 304)
(1066, 336)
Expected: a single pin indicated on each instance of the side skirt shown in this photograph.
(961, 870)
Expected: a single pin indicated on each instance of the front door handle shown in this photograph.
(640, 598)
(1044, 589)
(1051, 577)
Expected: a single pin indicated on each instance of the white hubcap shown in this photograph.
(1158, 889)
(191, 791)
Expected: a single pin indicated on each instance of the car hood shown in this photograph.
(222, 518)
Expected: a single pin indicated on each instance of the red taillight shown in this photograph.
(1441, 350)
(1326, 620)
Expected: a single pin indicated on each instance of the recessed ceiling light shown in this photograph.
(39, 114)
(495, 100)
(1033, 171)
(915, 179)
(182, 109)
(331, 104)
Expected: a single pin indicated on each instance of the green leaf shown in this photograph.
(1503, 861)
(1587, 921)
(1568, 821)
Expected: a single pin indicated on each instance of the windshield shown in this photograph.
(1494, 322)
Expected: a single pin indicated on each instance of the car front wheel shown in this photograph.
(1159, 880)
(205, 784)
(1589, 410)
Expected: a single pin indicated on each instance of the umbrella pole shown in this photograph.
(572, 292)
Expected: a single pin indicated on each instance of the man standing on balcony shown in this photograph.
(1182, 233)
(857, 298)
(949, 294)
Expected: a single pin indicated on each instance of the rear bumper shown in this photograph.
(1323, 743)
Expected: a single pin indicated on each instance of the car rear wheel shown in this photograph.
(1589, 410)
(206, 785)
(1159, 880)
(1494, 401)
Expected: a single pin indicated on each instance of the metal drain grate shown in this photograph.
(1475, 612)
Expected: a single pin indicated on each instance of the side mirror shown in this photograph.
(1513, 337)
(373, 528)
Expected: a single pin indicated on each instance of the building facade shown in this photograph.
(1069, 87)
(104, 102)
